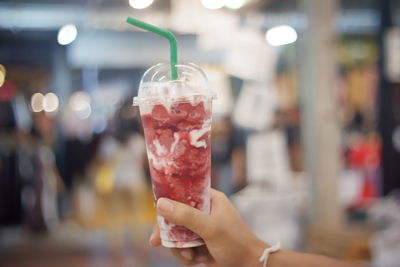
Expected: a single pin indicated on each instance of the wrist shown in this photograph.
(264, 259)
(255, 250)
(276, 259)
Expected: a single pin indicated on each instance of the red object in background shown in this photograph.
(368, 194)
(364, 152)
(364, 155)
(7, 91)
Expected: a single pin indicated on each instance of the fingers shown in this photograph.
(218, 198)
(184, 256)
(192, 256)
(182, 214)
(201, 254)
(155, 239)
(215, 193)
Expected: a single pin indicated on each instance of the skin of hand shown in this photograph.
(228, 241)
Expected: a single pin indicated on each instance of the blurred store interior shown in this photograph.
(305, 137)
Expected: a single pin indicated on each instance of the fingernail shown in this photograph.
(164, 205)
(187, 254)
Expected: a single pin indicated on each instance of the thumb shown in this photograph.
(185, 215)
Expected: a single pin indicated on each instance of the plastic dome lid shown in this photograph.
(156, 84)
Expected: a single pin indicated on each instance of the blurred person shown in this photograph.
(78, 153)
(30, 184)
(42, 185)
(228, 156)
(228, 241)
(10, 182)
(133, 150)
(288, 120)
(118, 172)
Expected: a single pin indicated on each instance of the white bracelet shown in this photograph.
(267, 251)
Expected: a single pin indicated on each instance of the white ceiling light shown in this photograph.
(67, 34)
(234, 4)
(281, 35)
(213, 4)
(140, 4)
(50, 102)
(37, 102)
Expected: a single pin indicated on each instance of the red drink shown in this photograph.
(177, 126)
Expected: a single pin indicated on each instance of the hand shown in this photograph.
(228, 241)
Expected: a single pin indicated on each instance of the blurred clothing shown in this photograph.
(228, 157)
(10, 185)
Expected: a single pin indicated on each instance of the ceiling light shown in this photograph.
(234, 4)
(213, 4)
(67, 34)
(281, 35)
(140, 4)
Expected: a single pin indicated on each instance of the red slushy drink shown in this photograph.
(176, 118)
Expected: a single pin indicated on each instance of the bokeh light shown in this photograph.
(37, 102)
(50, 102)
(67, 34)
(281, 35)
(80, 104)
(213, 4)
(234, 4)
(2, 75)
(140, 4)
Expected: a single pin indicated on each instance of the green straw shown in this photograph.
(167, 34)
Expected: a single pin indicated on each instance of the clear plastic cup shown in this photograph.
(176, 118)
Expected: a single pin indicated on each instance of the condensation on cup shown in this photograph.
(176, 118)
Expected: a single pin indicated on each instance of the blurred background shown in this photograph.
(305, 139)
